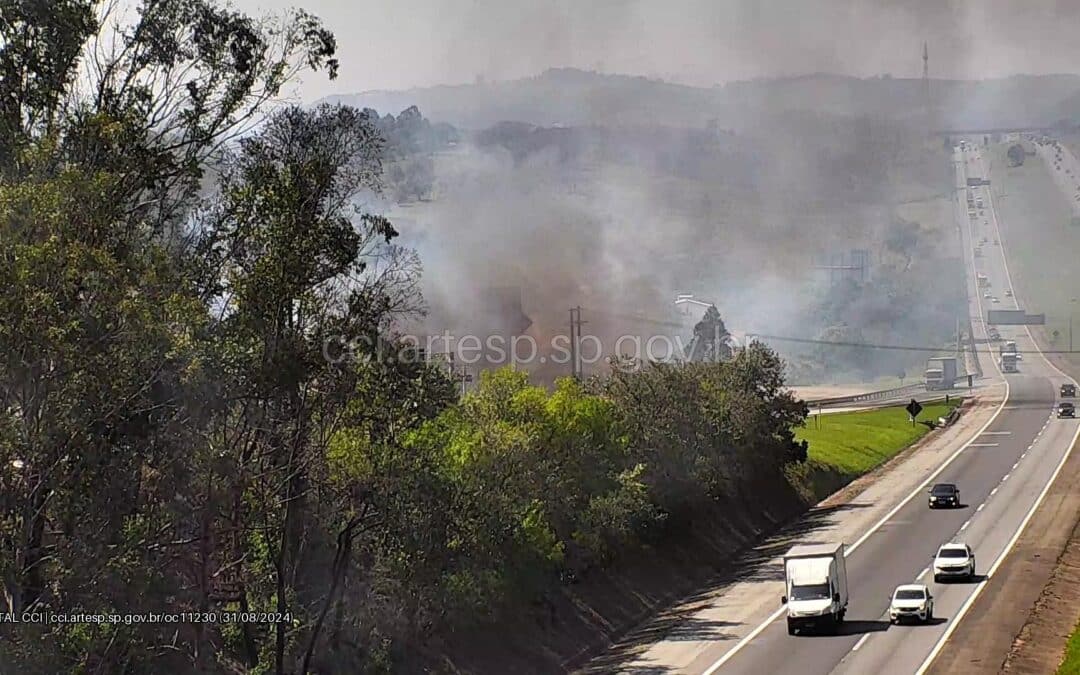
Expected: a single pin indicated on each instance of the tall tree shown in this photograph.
(296, 257)
(105, 128)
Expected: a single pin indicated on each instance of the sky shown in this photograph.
(398, 44)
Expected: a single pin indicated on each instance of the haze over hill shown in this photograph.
(648, 189)
(576, 97)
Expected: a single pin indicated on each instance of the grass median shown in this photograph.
(847, 445)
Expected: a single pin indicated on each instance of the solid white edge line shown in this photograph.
(964, 526)
(997, 563)
(978, 301)
(729, 654)
(1012, 542)
(861, 642)
(993, 492)
(981, 507)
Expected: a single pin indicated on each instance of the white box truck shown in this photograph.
(940, 373)
(816, 595)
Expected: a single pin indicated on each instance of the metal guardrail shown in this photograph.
(870, 395)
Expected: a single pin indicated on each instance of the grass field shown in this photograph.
(1042, 245)
(1071, 664)
(857, 442)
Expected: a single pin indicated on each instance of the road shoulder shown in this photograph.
(690, 635)
(1022, 620)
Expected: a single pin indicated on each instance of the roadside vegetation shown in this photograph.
(175, 435)
(854, 443)
(181, 432)
(1070, 665)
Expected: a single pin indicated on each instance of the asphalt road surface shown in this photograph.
(1002, 474)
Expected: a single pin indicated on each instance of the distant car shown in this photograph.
(987, 295)
(1008, 293)
(994, 300)
(944, 494)
(911, 601)
(954, 560)
(1068, 390)
(1066, 409)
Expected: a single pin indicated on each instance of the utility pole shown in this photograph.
(576, 370)
(1072, 302)
(464, 376)
(926, 87)
(460, 375)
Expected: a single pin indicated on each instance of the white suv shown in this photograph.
(911, 601)
(954, 560)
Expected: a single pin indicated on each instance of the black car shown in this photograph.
(1066, 409)
(1068, 390)
(944, 494)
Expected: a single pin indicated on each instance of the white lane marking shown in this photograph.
(1016, 464)
(997, 433)
(984, 445)
(981, 507)
(861, 642)
(729, 654)
(993, 492)
(1031, 512)
(964, 526)
(997, 563)
(1006, 477)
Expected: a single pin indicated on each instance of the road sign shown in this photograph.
(914, 408)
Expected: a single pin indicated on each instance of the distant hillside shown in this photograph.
(573, 97)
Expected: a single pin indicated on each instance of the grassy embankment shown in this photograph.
(1071, 664)
(844, 446)
(1041, 242)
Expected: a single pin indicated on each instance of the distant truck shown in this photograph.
(1008, 362)
(1007, 347)
(815, 578)
(940, 373)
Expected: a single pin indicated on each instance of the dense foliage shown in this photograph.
(176, 434)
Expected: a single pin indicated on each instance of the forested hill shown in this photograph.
(576, 97)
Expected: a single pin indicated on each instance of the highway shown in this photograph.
(1002, 472)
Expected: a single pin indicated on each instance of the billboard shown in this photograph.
(1014, 317)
